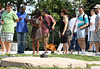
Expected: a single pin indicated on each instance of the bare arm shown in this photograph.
(16, 20)
(91, 24)
(84, 26)
(98, 24)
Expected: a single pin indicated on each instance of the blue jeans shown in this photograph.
(74, 43)
(21, 38)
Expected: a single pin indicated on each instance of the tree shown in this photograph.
(17, 3)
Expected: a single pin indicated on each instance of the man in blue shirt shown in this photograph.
(22, 29)
(82, 23)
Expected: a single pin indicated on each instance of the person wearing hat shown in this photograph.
(22, 29)
(36, 30)
(97, 29)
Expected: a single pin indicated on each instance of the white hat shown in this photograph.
(97, 6)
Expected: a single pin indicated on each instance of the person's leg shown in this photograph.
(9, 39)
(8, 47)
(45, 44)
(38, 45)
(91, 44)
(19, 38)
(24, 34)
(97, 46)
(82, 44)
(64, 48)
(45, 40)
(2, 45)
(33, 45)
(67, 47)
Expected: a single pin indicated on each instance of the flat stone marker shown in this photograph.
(42, 62)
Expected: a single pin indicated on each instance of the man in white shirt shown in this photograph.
(92, 28)
(74, 42)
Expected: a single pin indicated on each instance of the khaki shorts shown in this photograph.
(45, 37)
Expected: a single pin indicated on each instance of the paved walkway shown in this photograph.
(30, 52)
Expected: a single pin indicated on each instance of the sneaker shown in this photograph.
(83, 53)
(97, 54)
(3, 53)
(45, 52)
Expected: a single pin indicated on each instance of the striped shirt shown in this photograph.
(82, 22)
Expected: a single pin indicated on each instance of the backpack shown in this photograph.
(84, 20)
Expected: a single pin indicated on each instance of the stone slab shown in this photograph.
(42, 62)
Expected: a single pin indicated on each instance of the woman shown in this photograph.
(36, 30)
(63, 27)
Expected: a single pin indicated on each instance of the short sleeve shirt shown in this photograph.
(92, 20)
(9, 20)
(96, 20)
(48, 19)
(82, 22)
(22, 25)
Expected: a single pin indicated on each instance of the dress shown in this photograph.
(64, 39)
(36, 31)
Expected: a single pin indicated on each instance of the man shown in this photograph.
(22, 29)
(97, 29)
(82, 24)
(74, 41)
(8, 19)
(45, 31)
(2, 44)
(92, 28)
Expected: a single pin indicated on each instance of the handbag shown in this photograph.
(67, 32)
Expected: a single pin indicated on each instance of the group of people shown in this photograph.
(41, 29)
(82, 26)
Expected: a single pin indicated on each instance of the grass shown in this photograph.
(79, 57)
(89, 67)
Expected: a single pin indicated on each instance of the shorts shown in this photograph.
(97, 36)
(91, 36)
(7, 37)
(80, 33)
(0, 30)
(70, 37)
(45, 37)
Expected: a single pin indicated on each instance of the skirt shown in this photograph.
(36, 33)
(64, 39)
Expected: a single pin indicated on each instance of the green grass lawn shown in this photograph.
(89, 67)
(79, 57)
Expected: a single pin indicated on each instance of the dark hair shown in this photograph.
(9, 5)
(45, 10)
(64, 11)
(23, 7)
(74, 15)
(93, 10)
(81, 7)
(37, 11)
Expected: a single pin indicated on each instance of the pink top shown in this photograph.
(48, 19)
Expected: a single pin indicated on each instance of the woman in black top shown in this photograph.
(63, 27)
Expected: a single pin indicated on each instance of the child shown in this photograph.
(8, 19)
